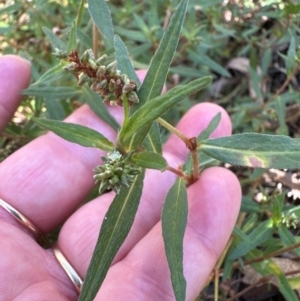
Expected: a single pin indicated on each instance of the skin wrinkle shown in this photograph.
(32, 293)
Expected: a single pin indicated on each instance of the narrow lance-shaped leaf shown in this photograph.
(160, 63)
(80, 12)
(51, 75)
(72, 38)
(159, 67)
(205, 60)
(150, 160)
(259, 235)
(283, 282)
(115, 228)
(100, 14)
(287, 238)
(123, 60)
(159, 105)
(76, 133)
(95, 102)
(210, 128)
(55, 110)
(55, 41)
(270, 268)
(174, 220)
(255, 150)
(152, 142)
(48, 91)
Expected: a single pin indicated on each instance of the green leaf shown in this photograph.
(124, 62)
(204, 162)
(80, 13)
(259, 235)
(281, 113)
(283, 283)
(159, 105)
(115, 228)
(52, 92)
(160, 63)
(95, 102)
(10, 9)
(270, 268)
(150, 160)
(255, 150)
(51, 75)
(100, 14)
(141, 25)
(287, 237)
(54, 40)
(277, 208)
(159, 66)
(174, 220)
(204, 60)
(76, 133)
(152, 142)
(294, 282)
(72, 38)
(54, 109)
(210, 128)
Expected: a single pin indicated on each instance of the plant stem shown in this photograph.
(173, 130)
(273, 254)
(176, 171)
(195, 165)
(216, 286)
(191, 144)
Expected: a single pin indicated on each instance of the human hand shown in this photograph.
(49, 178)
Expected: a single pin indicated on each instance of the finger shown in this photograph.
(14, 77)
(78, 236)
(47, 179)
(29, 272)
(214, 202)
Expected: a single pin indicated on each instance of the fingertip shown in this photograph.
(14, 76)
(17, 67)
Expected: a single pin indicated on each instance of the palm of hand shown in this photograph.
(49, 178)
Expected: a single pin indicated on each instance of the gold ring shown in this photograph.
(20, 218)
(74, 277)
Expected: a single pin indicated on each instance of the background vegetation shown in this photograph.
(251, 48)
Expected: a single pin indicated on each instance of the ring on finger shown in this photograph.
(22, 219)
(70, 271)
